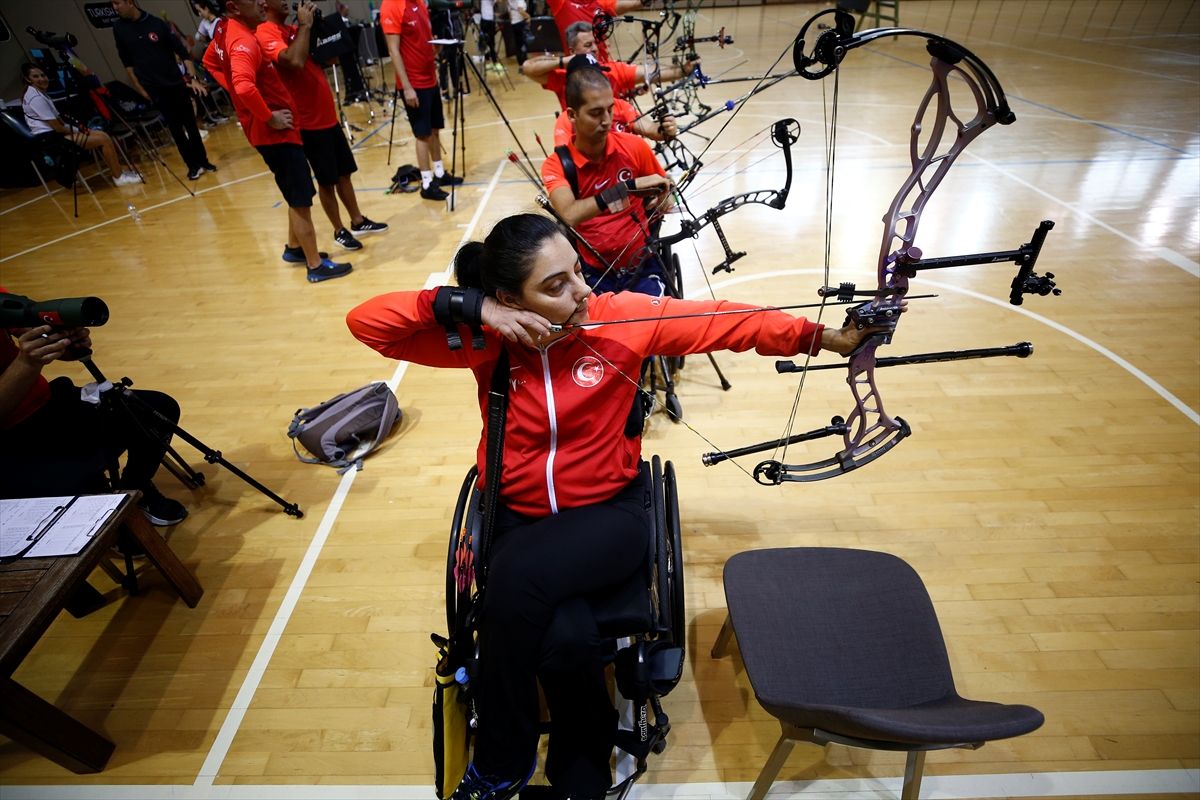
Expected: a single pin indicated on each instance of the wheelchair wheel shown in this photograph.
(675, 560)
(456, 532)
(662, 586)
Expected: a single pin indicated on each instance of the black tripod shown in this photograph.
(462, 86)
(120, 399)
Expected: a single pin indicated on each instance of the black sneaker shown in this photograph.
(368, 226)
(432, 192)
(327, 271)
(487, 787)
(447, 180)
(194, 174)
(160, 509)
(295, 255)
(209, 167)
(346, 241)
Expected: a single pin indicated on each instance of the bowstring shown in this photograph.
(653, 397)
(815, 342)
(830, 114)
(726, 178)
(714, 175)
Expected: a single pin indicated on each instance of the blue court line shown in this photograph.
(369, 135)
(1048, 108)
(1102, 125)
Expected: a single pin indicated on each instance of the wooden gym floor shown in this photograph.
(1050, 504)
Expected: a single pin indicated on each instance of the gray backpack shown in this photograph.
(337, 428)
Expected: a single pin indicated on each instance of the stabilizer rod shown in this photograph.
(1020, 350)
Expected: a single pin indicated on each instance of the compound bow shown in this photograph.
(869, 431)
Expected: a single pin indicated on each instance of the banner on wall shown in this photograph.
(101, 15)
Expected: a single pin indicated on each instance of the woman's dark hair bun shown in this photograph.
(503, 260)
(467, 268)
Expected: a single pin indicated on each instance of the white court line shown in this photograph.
(34, 200)
(237, 712)
(1157, 387)
(125, 217)
(1179, 260)
(933, 787)
(151, 208)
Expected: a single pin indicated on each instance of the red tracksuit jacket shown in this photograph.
(565, 445)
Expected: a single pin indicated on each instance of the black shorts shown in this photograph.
(287, 162)
(426, 116)
(328, 154)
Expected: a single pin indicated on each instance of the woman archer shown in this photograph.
(572, 514)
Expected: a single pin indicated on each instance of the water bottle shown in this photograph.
(460, 677)
(134, 214)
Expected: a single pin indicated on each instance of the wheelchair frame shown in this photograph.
(654, 663)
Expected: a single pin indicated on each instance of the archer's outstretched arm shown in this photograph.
(538, 68)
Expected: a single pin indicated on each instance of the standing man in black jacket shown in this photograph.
(148, 47)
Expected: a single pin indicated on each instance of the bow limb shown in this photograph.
(785, 133)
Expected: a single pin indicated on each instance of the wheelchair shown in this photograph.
(642, 621)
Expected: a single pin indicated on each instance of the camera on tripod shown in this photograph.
(316, 12)
(18, 311)
(52, 39)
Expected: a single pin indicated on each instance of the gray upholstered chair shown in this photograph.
(843, 646)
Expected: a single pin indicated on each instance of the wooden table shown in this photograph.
(32, 593)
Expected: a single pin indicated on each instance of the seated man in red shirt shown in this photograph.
(569, 12)
(626, 118)
(266, 112)
(325, 145)
(55, 443)
(408, 31)
(592, 180)
(627, 80)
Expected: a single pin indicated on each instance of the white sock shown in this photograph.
(439, 169)
(426, 178)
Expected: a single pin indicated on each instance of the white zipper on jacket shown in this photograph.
(553, 418)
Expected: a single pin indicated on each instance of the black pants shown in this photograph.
(518, 29)
(64, 447)
(175, 105)
(487, 39)
(536, 624)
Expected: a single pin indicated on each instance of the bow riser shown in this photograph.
(929, 168)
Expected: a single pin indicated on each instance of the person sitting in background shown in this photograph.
(568, 13)
(595, 183)
(626, 118)
(627, 80)
(45, 124)
(55, 443)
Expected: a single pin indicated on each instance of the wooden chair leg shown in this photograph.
(163, 558)
(914, 767)
(45, 729)
(721, 646)
(779, 757)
